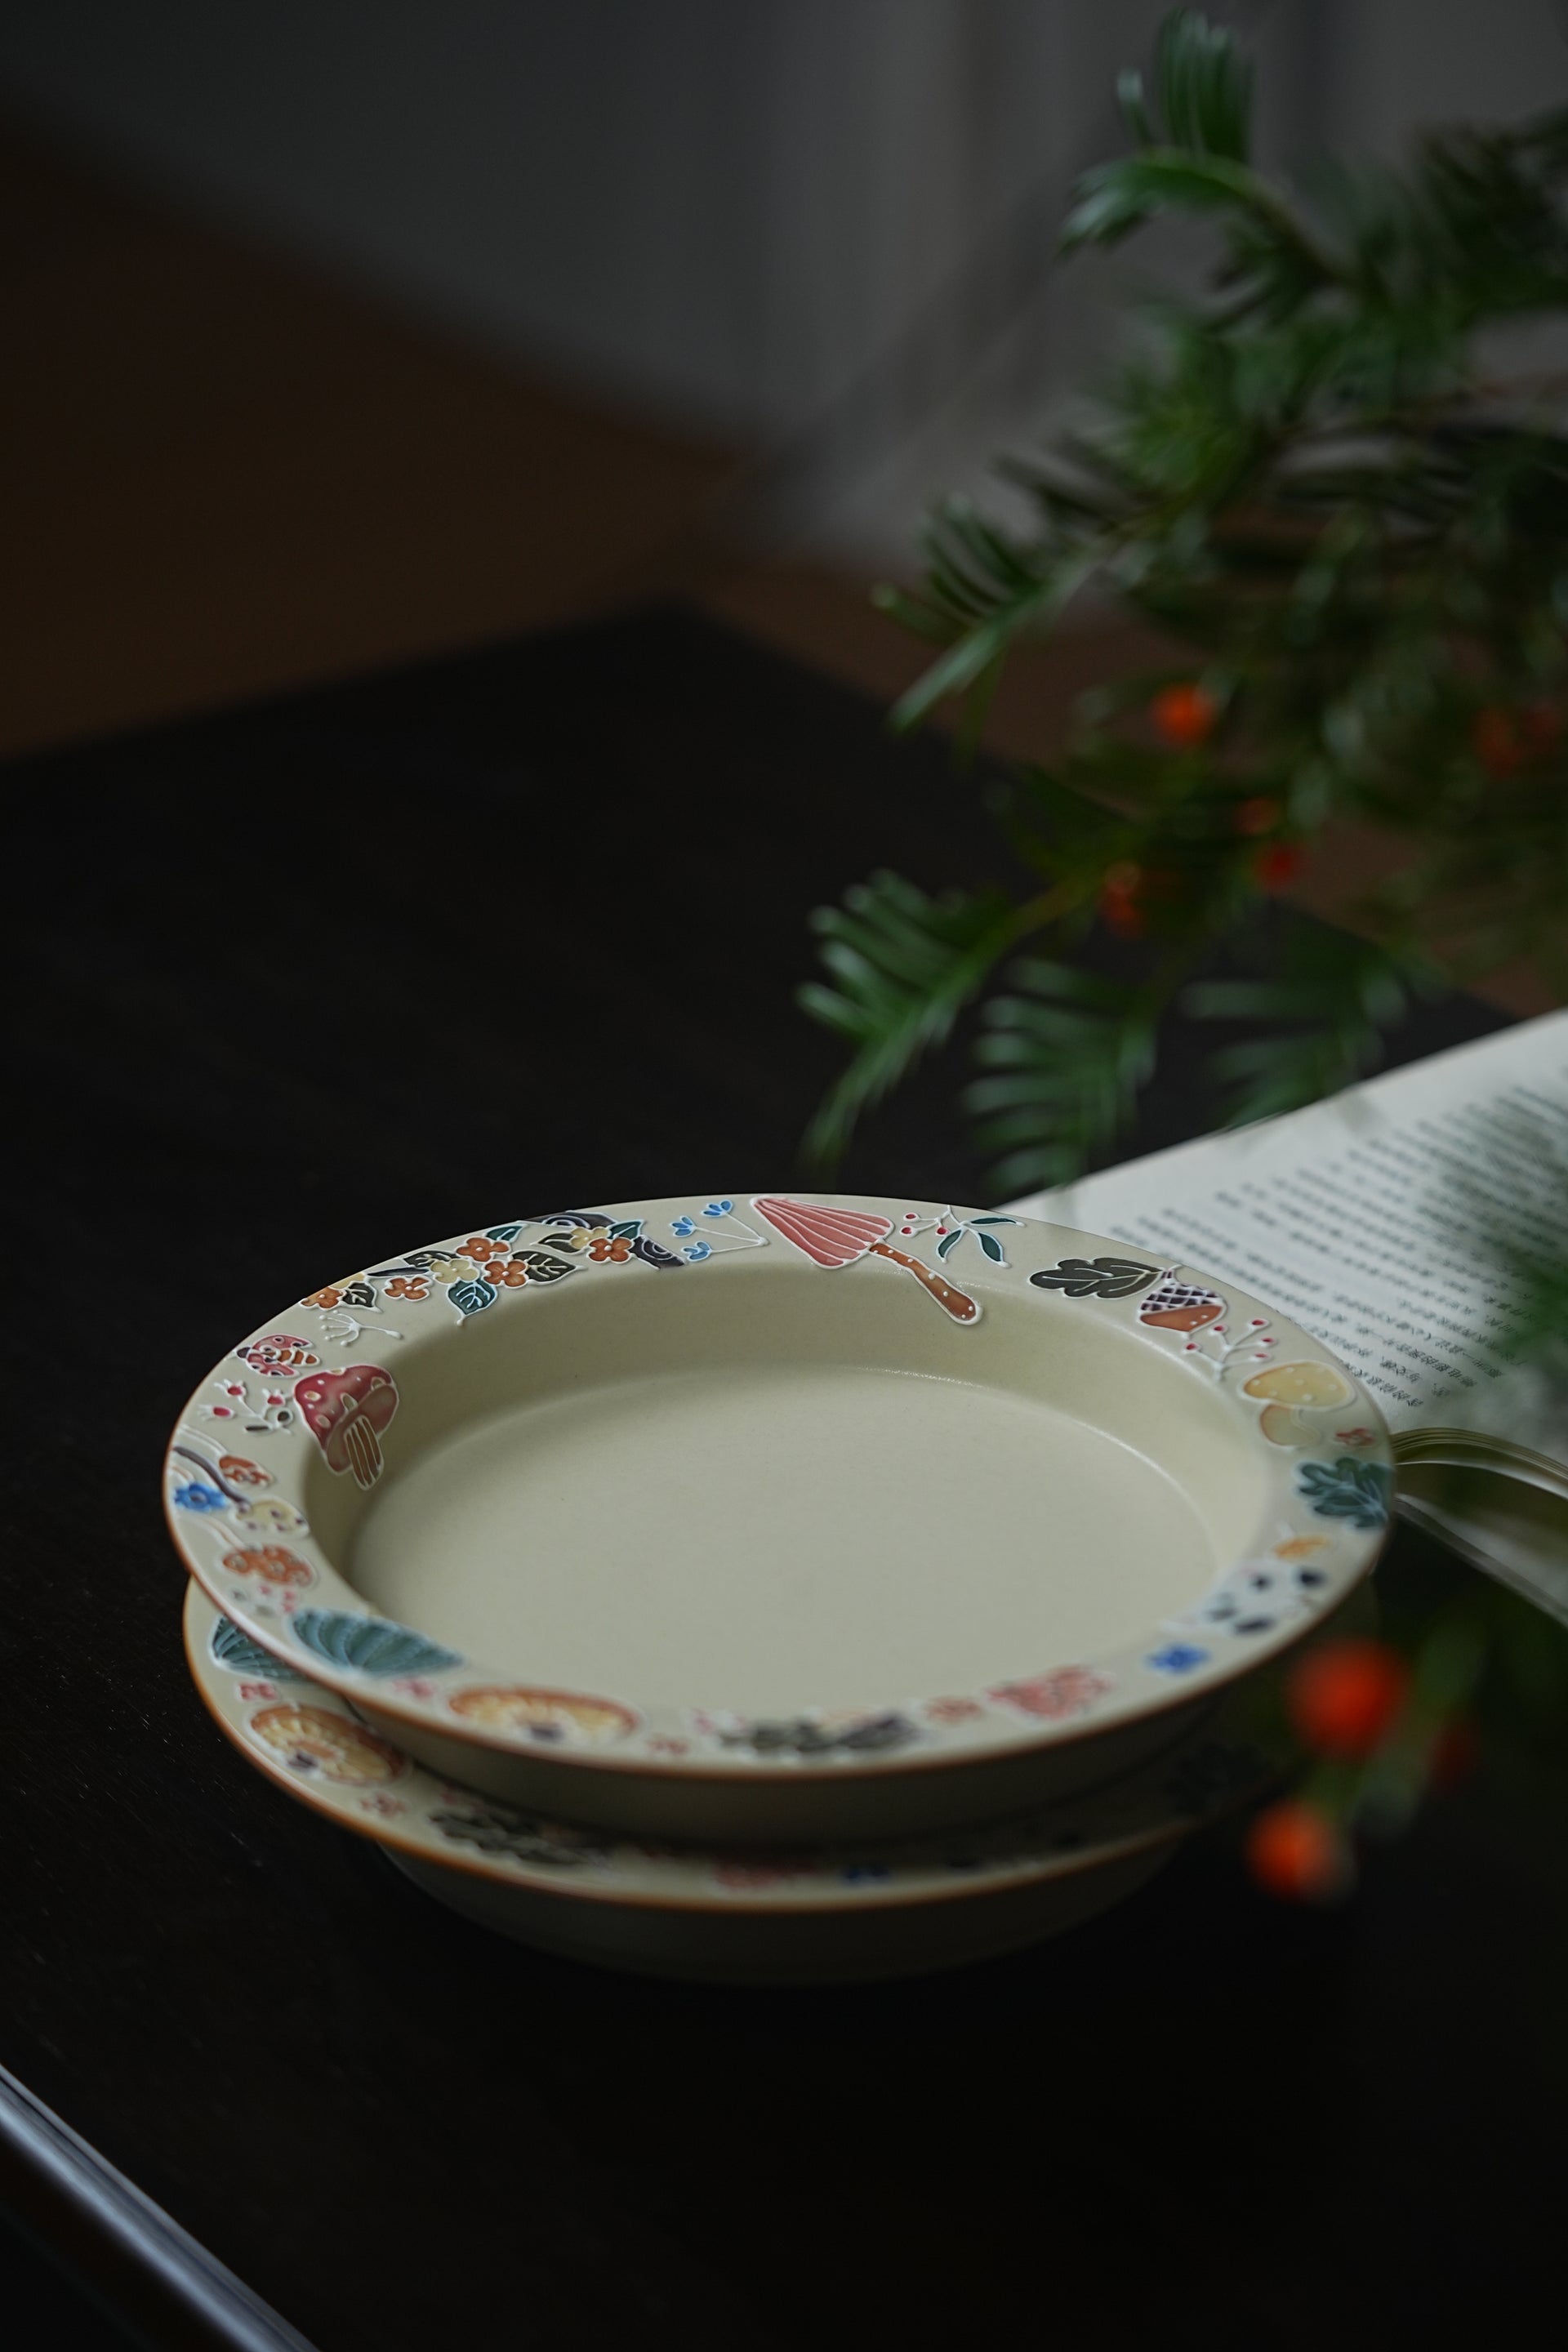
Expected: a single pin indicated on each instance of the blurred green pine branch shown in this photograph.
(1305, 478)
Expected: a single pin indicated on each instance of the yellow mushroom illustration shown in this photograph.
(1292, 1391)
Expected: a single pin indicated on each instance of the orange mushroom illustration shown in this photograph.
(345, 1411)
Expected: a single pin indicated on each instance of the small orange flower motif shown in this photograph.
(241, 1472)
(507, 1273)
(1185, 715)
(1051, 1697)
(478, 1246)
(953, 1710)
(325, 1298)
(273, 1562)
(604, 1251)
(408, 1286)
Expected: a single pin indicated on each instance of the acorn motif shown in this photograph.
(1181, 1307)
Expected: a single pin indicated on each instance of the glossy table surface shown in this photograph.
(320, 978)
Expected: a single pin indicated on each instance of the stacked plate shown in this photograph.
(859, 1602)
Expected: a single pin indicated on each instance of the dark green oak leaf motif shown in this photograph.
(495, 1830)
(802, 1736)
(541, 1267)
(1348, 1489)
(1096, 1278)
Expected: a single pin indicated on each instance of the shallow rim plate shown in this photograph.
(309, 1739)
(316, 1389)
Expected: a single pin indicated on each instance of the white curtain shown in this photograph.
(821, 227)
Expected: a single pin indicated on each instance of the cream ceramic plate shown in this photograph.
(771, 1517)
(751, 1915)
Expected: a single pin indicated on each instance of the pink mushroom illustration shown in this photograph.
(839, 1236)
(344, 1412)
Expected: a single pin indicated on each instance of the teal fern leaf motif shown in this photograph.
(1360, 1491)
(241, 1655)
(369, 1645)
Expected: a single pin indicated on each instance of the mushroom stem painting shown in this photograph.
(840, 1236)
(346, 1412)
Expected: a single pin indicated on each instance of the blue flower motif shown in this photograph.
(717, 1208)
(192, 1495)
(1177, 1658)
(683, 1224)
(855, 1874)
(698, 1251)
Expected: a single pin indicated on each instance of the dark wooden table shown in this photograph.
(318, 980)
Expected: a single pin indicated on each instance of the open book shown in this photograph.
(1401, 1224)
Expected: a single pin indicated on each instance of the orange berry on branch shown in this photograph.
(1295, 1851)
(1185, 715)
(1120, 894)
(1277, 867)
(1343, 1698)
(1455, 1752)
(1496, 740)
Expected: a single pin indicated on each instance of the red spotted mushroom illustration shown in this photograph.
(346, 1412)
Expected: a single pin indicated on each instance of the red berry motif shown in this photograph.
(1344, 1696)
(1295, 1851)
(1185, 715)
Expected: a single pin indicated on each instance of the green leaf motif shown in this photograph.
(1096, 1278)
(1348, 1489)
(950, 1242)
(628, 1230)
(503, 1233)
(992, 1247)
(473, 1298)
(369, 1645)
(496, 1831)
(542, 1267)
(241, 1655)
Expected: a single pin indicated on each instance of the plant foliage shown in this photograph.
(1305, 478)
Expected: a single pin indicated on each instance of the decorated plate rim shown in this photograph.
(1229, 1774)
(1332, 1490)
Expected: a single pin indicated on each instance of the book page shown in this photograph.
(1390, 1222)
